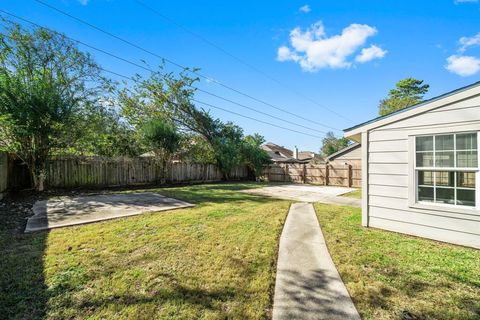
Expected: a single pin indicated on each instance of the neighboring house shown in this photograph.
(420, 169)
(351, 155)
(280, 154)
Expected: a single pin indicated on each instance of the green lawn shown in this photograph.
(388, 273)
(214, 261)
(357, 194)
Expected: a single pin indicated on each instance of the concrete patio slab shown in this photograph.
(308, 193)
(69, 211)
(307, 284)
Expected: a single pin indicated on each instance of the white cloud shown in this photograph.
(466, 42)
(313, 50)
(83, 2)
(305, 9)
(463, 65)
(370, 53)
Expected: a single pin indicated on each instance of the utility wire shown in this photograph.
(240, 60)
(216, 107)
(177, 64)
(153, 71)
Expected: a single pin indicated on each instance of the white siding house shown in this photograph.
(420, 168)
(348, 155)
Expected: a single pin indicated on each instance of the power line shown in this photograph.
(176, 64)
(261, 121)
(216, 107)
(151, 70)
(240, 60)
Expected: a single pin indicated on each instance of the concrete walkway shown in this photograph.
(69, 211)
(308, 285)
(308, 193)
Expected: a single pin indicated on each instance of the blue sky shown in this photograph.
(344, 55)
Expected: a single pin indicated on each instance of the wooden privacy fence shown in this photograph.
(3, 173)
(105, 172)
(78, 172)
(328, 175)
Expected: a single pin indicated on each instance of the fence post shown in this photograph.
(286, 172)
(304, 173)
(349, 175)
(327, 174)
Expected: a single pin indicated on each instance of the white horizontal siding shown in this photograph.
(388, 157)
(388, 146)
(388, 168)
(412, 228)
(388, 191)
(469, 224)
(355, 154)
(388, 181)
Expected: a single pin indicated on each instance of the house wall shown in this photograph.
(391, 185)
(352, 157)
(3, 173)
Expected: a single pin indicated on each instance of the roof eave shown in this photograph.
(436, 102)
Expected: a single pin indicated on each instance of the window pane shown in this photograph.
(445, 179)
(466, 197)
(445, 195)
(424, 143)
(466, 141)
(466, 179)
(425, 194)
(444, 142)
(425, 178)
(444, 159)
(424, 159)
(467, 159)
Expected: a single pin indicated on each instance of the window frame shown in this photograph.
(414, 176)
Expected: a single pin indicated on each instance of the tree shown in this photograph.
(407, 92)
(332, 144)
(105, 133)
(254, 156)
(171, 96)
(161, 137)
(46, 82)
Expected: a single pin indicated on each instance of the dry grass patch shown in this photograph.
(394, 276)
(214, 261)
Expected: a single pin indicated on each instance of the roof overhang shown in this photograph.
(464, 93)
(351, 147)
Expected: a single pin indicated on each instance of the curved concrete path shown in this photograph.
(308, 285)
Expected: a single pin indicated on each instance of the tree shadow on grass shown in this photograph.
(310, 296)
(23, 293)
(174, 293)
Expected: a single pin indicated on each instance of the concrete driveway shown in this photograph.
(69, 211)
(308, 193)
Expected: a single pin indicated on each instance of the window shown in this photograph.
(446, 166)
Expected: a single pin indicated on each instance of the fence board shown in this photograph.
(71, 172)
(3, 173)
(334, 175)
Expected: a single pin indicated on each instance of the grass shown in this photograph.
(357, 194)
(214, 261)
(388, 274)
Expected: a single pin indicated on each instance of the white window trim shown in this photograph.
(412, 178)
